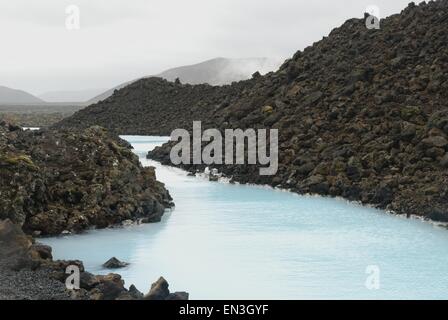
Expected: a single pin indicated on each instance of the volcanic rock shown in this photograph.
(114, 263)
(378, 95)
(52, 181)
(159, 290)
(367, 113)
(27, 271)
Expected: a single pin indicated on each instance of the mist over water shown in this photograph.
(227, 241)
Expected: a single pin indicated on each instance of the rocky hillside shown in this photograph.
(154, 106)
(54, 181)
(361, 114)
(218, 71)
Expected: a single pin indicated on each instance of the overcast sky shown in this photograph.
(120, 40)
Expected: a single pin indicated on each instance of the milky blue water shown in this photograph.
(227, 241)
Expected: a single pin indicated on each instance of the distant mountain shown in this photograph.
(13, 96)
(219, 71)
(71, 96)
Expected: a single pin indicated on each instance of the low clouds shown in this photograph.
(124, 39)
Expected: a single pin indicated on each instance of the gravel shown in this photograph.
(30, 285)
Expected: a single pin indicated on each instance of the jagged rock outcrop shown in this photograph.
(52, 181)
(114, 263)
(159, 291)
(362, 114)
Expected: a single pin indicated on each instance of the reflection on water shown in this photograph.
(227, 241)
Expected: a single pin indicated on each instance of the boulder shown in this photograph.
(312, 98)
(444, 161)
(44, 251)
(439, 119)
(114, 263)
(178, 296)
(438, 214)
(88, 281)
(159, 290)
(135, 293)
(267, 109)
(15, 247)
(110, 287)
(409, 112)
(306, 168)
(435, 141)
(256, 75)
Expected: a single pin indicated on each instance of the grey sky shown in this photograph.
(120, 40)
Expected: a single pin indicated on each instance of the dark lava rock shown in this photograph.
(52, 181)
(44, 251)
(114, 263)
(178, 296)
(109, 287)
(16, 250)
(88, 281)
(159, 290)
(135, 293)
(376, 95)
(437, 141)
(444, 161)
(180, 105)
(390, 120)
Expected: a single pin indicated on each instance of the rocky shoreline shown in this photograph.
(58, 182)
(28, 272)
(55, 182)
(205, 172)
